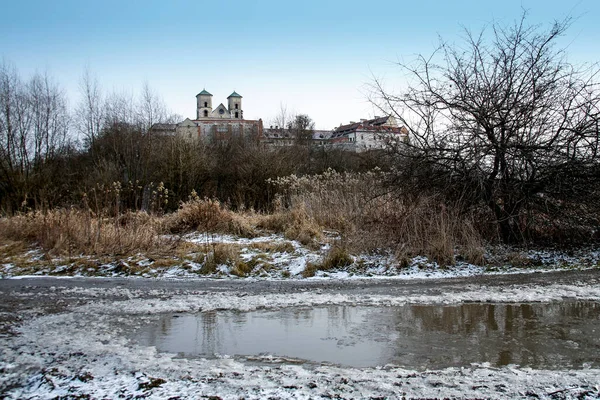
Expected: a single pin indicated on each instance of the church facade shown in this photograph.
(205, 111)
(216, 123)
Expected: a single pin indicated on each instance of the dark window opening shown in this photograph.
(205, 104)
(206, 113)
(236, 115)
(236, 106)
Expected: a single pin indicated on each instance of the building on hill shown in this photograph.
(222, 123)
(276, 136)
(368, 134)
(215, 124)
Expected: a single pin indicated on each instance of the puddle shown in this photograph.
(549, 336)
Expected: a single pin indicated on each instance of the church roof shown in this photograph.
(204, 93)
(234, 94)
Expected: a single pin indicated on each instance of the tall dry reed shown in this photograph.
(71, 232)
(370, 217)
(207, 216)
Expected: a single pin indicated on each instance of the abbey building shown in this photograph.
(215, 123)
(219, 123)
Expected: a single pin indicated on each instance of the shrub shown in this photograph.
(207, 216)
(337, 257)
(295, 224)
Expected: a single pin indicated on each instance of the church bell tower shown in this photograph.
(234, 105)
(204, 104)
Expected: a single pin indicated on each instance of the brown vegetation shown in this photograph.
(207, 216)
(73, 232)
(369, 219)
(503, 149)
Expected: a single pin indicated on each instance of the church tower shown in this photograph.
(234, 104)
(204, 104)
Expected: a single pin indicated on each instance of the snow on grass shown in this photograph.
(274, 257)
(88, 352)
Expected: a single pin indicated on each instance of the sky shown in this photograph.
(312, 57)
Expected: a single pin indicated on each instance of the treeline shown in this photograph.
(104, 156)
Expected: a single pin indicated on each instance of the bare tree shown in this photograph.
(504, 116)
(34, 125)
(89, 114)
(283, 117)
(12, 159)
(49, 116)
(151, 108)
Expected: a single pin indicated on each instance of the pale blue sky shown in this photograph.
(314, 56)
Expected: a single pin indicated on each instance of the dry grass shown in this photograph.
(10, 248)
(336, 258)
(354, 205)
(273, 247)
(369, 219)
(310, 270)
(241, 269)
(73, 232)
(295, 224)
(220, 254)
(208, 216)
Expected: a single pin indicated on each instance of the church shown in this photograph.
(218, 123)
(205, 109)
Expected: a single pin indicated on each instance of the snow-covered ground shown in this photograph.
(87, 351)
(274, 257)
(86, 347)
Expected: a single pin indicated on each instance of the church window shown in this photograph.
(221, 111)
(236, 114)
(236, 106)
(206, 113)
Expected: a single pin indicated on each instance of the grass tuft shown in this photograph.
(208, 216)
(295, 224)
(336, 258)
(220, 254)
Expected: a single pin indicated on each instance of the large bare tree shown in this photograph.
(34, 125)
(504, 116)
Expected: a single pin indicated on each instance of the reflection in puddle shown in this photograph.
(555, 335)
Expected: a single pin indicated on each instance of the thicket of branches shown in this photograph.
(504, 121)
